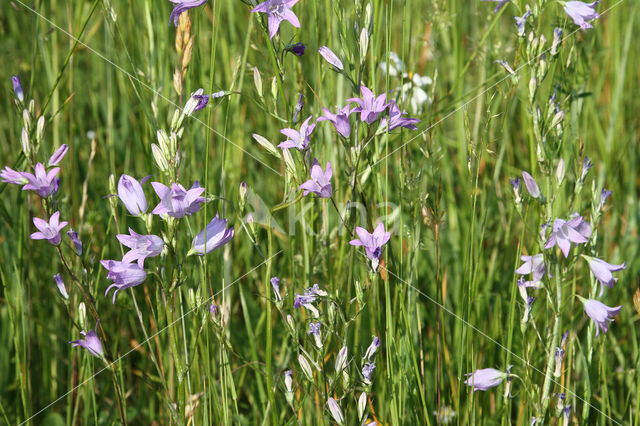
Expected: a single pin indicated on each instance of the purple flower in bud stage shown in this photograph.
(49, 231)
(600, 313)
(8, 175)
(73, 236)
(603, 198)
(372, 242)
(298, 139)
(278, 11)
(566, 413)
(532, 265)
(142, 246)
(131, 194)
(500, 5)
(91, 342)
(370, 106)
(61, 288)
(527, 308)
(275, 284)
(485, 378)
(516, 188)
(531, 184)
(183, 6)
(298, 108)
(297, 49)
(586, 166)
(504, 64)
(320, 182)
(521, 21)
(367, 371)
(582, 12)
(213, 308)
(314, 329)
(396, 119)
(58, 155)
(43, 183)
(17, 87)
(214, 236)
(372, 349)
(558, 361)
(603, 271)
(202, 99)
(177, 201)
(123, 275)
(308, 297)
(340, 120)
(331, 58)
(575, 230)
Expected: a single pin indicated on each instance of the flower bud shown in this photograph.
(82, 316)
(266, 144)
(306, 367)
(159, 158)
(364, 44)
(362, 405)
(533, 87)
(61, 288)
(335, 411)
(560, 171)
(331, 58)
(557, 39)
(26, 118)
(557, 119)
(26, 145)
(274, 88)
(257, 81)
(39, 129)
(341, 359)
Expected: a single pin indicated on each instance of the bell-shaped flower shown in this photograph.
(58, 155)
(396, 119)
(331, 58)
(367, 372)
(177, 201)
(308, 298)
(564, 232)
(600, 313)
(73, 236)
(533, 265)
(603, 271)
(8, 175)
(43, 182)
(17, 87)
(277, 11)
(298, 139)
(531, 184)
(91, 342)
(485, 378)
(372, 349)
(142, 246)
(370, 106)
(60, 284)
(372, 242)
(182, 6)
(123, 275)
(131, 194)
(215, 235)
(49, 231)
(320, 182)
(582, 12)
(340, 120)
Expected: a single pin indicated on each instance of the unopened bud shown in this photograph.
(362, 405)
(266, 144)
(560, 171)
(341, 359)
(557, 119)
(26, 145)
(39, 129)
(26, 118)
(82, 316)
(364, 44)
(159, 158)
(305, 366)
(257, 81)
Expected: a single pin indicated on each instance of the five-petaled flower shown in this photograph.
(370, 106)
(278, 11)
(43, 183)
(183, 6)
(575, 230)
(396, 119)
(582, 12)
(215, 235)
(49, 231)
(91, 342)
(600, 313)
(131, 194)
(320, 182)
(367, 371)
(603, 271)
(123, 275)
(340, 120)
(177, 201)
(142, 246)
(533, 265)
(372, 242)
(298, 139)
(485, 378)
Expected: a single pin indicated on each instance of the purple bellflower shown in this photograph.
(331, 58)
(73, 236)
(298, 139)
(340, 120)
(370, 106)
(314, 329)
(177, 201)
(535, 266)
(603, 198)
(202, 99)
(278, 11)
(58, 155)
(372, 242)
(320, 182)
(142, 246)
(367, 371)
(123, 275)
(63, 291)
(531, 184)
(500, 5)
(372, 349)
(275, 284)
(17, 87)
(396, 119)
(43, 182)
(91, 342)
(521, 21)
(582, 12)
(586, 166)
(516, 189)
(183, 6)
(49, 231)
(308, 297)
(603, 271)
(214, 236)
(131, 194)
(297, 49)
(485, 378)
(600, 313)
(8, 175)
(575, 230)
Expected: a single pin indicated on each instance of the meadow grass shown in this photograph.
(444, 300)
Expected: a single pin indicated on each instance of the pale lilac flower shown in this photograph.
(521, 21)
(331, 58)
(372, 349)
(275, 284)
(214, 236)
(73, 236)
(278, 11)
(600, 313)
(49, 231)
(8, 175)
(575, 230)
(558, 361)
(582, 12)
(17, 87)
(557, 39)
(202, 99)
(531, 184)
(532, 265)
(367, 371)
(91, 342)
(213, 308)
(314, 330)
(370, 106)
(182, 6)
(320, 182)
(298, 139)
(60, 284)
(586, 166)
(43, 182)
(603, 271)
(142, 246)
(396, 119)
(131, 194)
(500, 4)
(372, 242)
(527, 308)
(288, 381)
(58, 155)
(603, 198)
(485, 378)
(177, 201)
(123, 275)
(516, 189)
(335, 411)
(297, 49)
(340, 120)
(308, 297)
